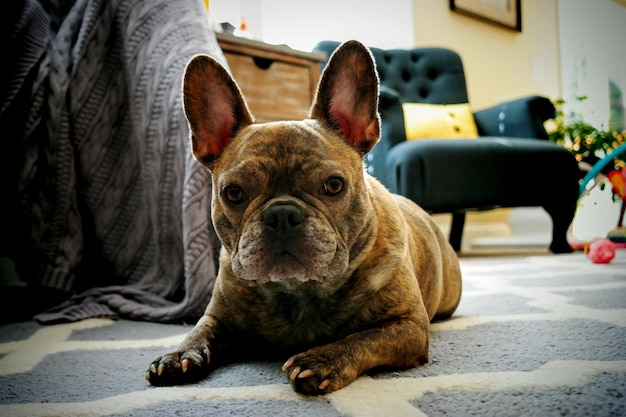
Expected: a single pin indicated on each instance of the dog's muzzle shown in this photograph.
(288, 244)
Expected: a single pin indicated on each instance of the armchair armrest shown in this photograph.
(522, 118)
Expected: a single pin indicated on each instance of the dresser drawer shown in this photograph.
(273, 89)
(278, 82)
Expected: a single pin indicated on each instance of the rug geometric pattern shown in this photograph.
(542, 335)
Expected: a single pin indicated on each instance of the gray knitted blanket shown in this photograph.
(109, 204)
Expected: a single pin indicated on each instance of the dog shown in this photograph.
(319, 263)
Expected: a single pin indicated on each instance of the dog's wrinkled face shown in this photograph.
(282, 211)
(286, 204)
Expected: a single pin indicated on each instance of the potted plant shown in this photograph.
(588, 143)
(591, 146)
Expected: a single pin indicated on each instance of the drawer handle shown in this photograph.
(262, 63)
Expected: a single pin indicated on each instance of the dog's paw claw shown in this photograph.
(305, 374)
(325, 383)
(287, 365)
(294, 373)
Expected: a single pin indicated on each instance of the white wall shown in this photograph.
(302, 23)
(593, 50)
(567, 48)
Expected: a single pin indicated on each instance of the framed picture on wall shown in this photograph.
(505, 13)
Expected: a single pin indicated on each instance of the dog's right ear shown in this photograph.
(214, 107)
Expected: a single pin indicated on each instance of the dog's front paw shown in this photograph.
(180, 367)
(317, 373)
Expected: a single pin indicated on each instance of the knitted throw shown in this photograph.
(106, 200)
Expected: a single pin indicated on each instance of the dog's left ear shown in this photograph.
(347, 96)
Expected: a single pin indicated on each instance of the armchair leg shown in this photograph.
(456, 231)
(562, 217)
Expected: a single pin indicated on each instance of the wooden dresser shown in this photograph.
(278, 82)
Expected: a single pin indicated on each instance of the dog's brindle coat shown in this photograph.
(319, 260)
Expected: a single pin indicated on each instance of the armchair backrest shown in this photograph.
(418, 75)
(436, 76)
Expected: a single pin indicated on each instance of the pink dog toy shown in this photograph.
(600, 251)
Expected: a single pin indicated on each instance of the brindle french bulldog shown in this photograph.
(319, 260)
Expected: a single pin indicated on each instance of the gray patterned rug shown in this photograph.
(537, 335)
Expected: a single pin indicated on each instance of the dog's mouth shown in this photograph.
(280, 267)
(286, 259)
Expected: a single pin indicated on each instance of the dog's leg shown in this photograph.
(327, 368)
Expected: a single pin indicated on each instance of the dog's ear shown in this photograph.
(214, 107)
(347, 96)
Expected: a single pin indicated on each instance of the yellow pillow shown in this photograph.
(449, 121)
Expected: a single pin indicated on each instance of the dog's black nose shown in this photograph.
(283, 217)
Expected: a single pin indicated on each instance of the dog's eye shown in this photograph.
(234, 194)
(333, 186)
